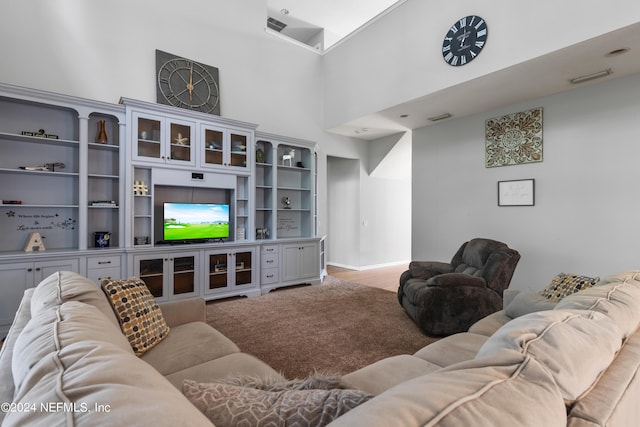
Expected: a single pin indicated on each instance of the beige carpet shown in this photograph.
(336, 327)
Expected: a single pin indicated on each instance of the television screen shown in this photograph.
(195, 221)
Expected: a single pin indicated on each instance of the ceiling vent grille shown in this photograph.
(275, 25)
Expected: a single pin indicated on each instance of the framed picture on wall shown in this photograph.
(520, 192)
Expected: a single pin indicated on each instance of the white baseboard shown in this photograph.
(368, 267)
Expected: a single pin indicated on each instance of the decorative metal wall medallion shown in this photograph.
(514, 139)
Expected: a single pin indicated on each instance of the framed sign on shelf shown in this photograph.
(520, 192)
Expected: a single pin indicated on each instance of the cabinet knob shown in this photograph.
(29, 270)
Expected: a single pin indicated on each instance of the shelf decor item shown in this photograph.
(101, 239)
(518, 192)
(140, 188)
(34, 243)
(286, 202)
(101, 138)
(514, 139)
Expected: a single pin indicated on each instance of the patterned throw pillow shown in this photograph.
(226, 404)
(566, 284)
(139, 315)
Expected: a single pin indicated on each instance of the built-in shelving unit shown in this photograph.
(98, 202)
(59, 182)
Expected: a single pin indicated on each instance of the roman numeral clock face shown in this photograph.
(464, 40)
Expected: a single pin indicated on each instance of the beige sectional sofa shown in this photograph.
(65, 350)
(533, 364)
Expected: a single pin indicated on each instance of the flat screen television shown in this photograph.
(195, 221)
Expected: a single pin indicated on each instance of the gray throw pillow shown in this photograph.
(227, 405)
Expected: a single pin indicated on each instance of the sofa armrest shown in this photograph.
(456, 279)
(183, 311)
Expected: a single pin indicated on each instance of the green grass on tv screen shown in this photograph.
(195, 231)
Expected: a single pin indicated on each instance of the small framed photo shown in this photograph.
(520, 192)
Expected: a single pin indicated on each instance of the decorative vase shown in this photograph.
(101, 138)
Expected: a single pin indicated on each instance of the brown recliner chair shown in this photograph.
(447, 298)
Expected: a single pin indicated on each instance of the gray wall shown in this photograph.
(585, 218)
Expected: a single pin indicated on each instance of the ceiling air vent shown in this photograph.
(275, 25)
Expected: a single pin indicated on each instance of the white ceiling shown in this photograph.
(542, 76)
(536, 78)
(338, 18)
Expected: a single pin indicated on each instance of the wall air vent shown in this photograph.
(275, 25)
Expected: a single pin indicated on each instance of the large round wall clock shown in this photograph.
(464, 40)
(187, 84)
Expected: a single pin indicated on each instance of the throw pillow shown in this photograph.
(227, 405)
(566, 284)
(139, 315)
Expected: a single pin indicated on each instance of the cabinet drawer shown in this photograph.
(269, 275)
(103, 262)
(269, 249)
(97, 275)
(270, 260)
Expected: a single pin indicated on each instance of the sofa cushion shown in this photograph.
(511, 389)
(452, 349)
(59, 326)
(63, 286)
(188, 345)
(226, 404)
(139, 315)
(559, 340)
(617, 296)
(565, 284)
(488, 325)
(229, 366)
(386, 373)
(614, 402)
(528, 302)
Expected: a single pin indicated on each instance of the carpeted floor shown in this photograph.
(336, 327)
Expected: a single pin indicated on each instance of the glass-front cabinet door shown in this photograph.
(243, 268)
(184, 275)
(147, 136)
(163, 140)
(225, 148)
(180, 142)
(213, 146)
(169, 276)
(217, 272)
(239, 142)
(150, 269)
(229, 271)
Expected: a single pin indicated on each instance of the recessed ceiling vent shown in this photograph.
(275, 25)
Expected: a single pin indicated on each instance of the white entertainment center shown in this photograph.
(98, 206)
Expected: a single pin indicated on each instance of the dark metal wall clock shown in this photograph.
(464, 40)
(187, 84)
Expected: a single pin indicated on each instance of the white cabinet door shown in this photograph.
(299, 261)
(14, 280)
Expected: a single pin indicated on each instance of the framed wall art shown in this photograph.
(514, 139)
(520, 192)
